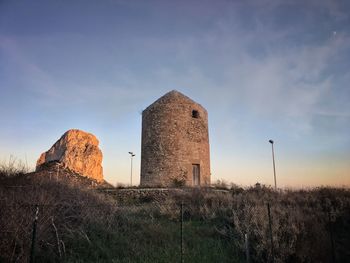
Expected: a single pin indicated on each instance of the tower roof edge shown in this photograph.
(173, 96)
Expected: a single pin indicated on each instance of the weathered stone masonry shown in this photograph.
(175, 143)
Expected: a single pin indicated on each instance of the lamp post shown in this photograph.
(273, 160)
(131, 157)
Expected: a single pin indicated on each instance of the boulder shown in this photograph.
(78, 151)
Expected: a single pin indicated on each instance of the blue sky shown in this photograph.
(263, 69)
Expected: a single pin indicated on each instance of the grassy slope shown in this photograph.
(149, 242)
(77, 224)
(92, 228)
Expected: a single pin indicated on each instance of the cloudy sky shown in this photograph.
(263, 69)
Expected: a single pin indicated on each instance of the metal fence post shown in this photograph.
(270, 230)
(32, 250)
(182, 230)
(58, 171)
(246, 243)
(331, 235)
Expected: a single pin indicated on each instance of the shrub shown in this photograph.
(77, 224)
(13, 167)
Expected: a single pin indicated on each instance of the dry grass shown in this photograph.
(302, 221)
(65, 208)
(13, 167)
(76, 224)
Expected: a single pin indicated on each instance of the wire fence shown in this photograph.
(44, 224)
(51, 222)
(183, 232)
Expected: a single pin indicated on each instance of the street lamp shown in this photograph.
(273, 160)
(131, 157)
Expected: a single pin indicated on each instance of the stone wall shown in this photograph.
(161, 195)
(174, 137)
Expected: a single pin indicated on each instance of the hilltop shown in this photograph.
(55, 170)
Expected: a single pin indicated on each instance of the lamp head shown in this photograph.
(131, 153)
(271, 141)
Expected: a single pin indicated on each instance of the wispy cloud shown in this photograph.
(30, 77)
(259, 67)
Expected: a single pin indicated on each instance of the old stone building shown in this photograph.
(175, 143)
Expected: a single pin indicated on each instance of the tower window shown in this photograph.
(195, 114)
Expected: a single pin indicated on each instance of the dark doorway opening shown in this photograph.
(196, 175)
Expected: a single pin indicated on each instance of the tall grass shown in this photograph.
(13, 167)
(65, 209)
(77, 224)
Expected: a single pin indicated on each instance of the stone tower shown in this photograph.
(175, 143)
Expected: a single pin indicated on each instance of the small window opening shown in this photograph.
(195, 114)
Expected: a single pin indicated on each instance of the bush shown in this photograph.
(65, 211)
(13, 167)
(77, 224)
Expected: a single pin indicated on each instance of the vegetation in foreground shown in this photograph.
(77, 224)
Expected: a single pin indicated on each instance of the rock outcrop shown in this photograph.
(78, 151)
